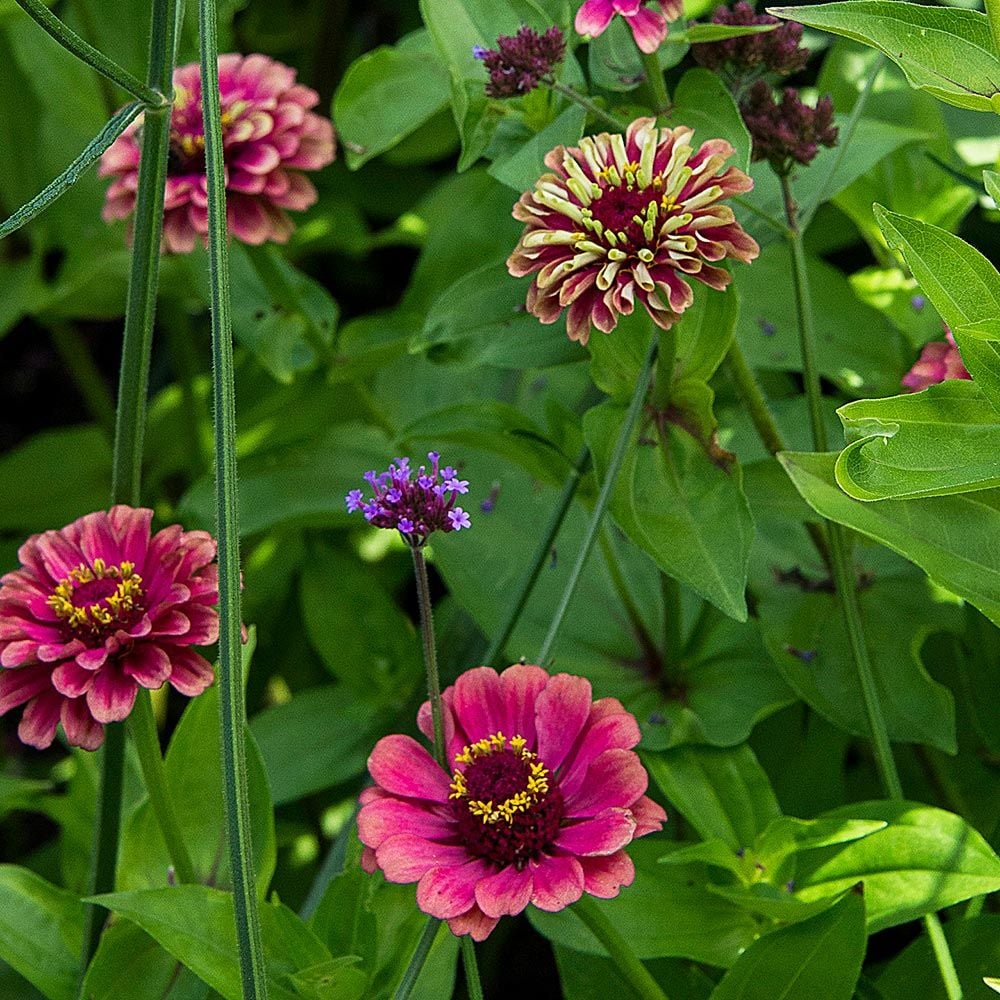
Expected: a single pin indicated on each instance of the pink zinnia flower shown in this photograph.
(97, 609)
(629, 218)
(545, 795)
(648, 24)
(269, 135)
(938, 361)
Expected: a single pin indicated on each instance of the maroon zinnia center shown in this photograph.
(625, 216)
(95, 600)
(505, 801)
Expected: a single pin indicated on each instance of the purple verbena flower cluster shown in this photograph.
(790, 132)
(415, 502)
(775, 51)
(521, 62)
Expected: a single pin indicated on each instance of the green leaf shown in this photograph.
(961, 283)
(991, 181)
(942, 535)
(768, 327)
(702, 102)
(982, 358)
(196, 924)
(522, 168)
(322, 737)
(947, 52)
(933, 443)
(583, 977)
(54, 478)
(41, 932)
(387, 95)
(667, 911)
(819, 957)
(19, 793)
(129, 963)
(198, 800)
(697, 33)
(925, 860)
(721, 793)
(481, 320)
(683, 508)
(974, 946)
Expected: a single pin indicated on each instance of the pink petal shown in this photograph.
(649, 28)
(190, 673)
(604, 877)
(38, 724)
(72, 680)
(259, 158)
(478, 703)
(474, 923)
(606, 833)
(248, 221)
(147, 665)
(81, 728)
(22, 684)
(111, 695)
(18, 652)
(449, 892)
(92, 659)
(593, 17)
(402, 766)
(615, 778)
(405, 858)
(649, 816)
(386, 817)
(521, 685)
(558, 882)
(506, 893)
(561, 711)
(617, 730)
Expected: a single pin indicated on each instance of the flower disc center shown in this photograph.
(94, 600)
(506, 803)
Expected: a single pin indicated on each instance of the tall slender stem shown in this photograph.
(472, 983)
(130, 422)
(595, 110)
(610, 475)
(632, 970)
(846, 581)
(420, 953)
(231, 693)
(651, 654)
(146, 93)
(541, 554)
(142, 728)
(430, 652)
(654, 77)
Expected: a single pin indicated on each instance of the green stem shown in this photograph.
(993, 18)
(231, 692)
(846, 581)
(333, 865)
(753, 398)
(130, 419)
(632, 970)
(472, 983)
(654, 77)
(651, 654)
(420, 953)
(86, 376)
(150, 95)
(430, 653)
(594, 110)
(142, 728)
(540, 556)
(614, 465)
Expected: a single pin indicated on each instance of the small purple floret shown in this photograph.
(416, 502)
(521, 62)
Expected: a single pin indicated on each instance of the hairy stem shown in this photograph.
(232, 709)
(142, 729)
(845, 579)
(430, 653)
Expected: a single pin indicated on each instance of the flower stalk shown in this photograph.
(654, 79)
(430, 651)
(231, 692)
(844, 577)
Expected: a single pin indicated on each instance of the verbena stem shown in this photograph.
(588, 105)
(231, 694)
(430, 652)
(130, 421)
(844, 577)
(150, 95)
(632, 970)
(610, 475)
(142, 728)
(540, 556)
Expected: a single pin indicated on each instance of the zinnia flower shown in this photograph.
(545, 795)
(648, 24)
(415, 502)
(628, 218)
(269, 137)
(938, 361)
(521, 62)
(98, 609)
